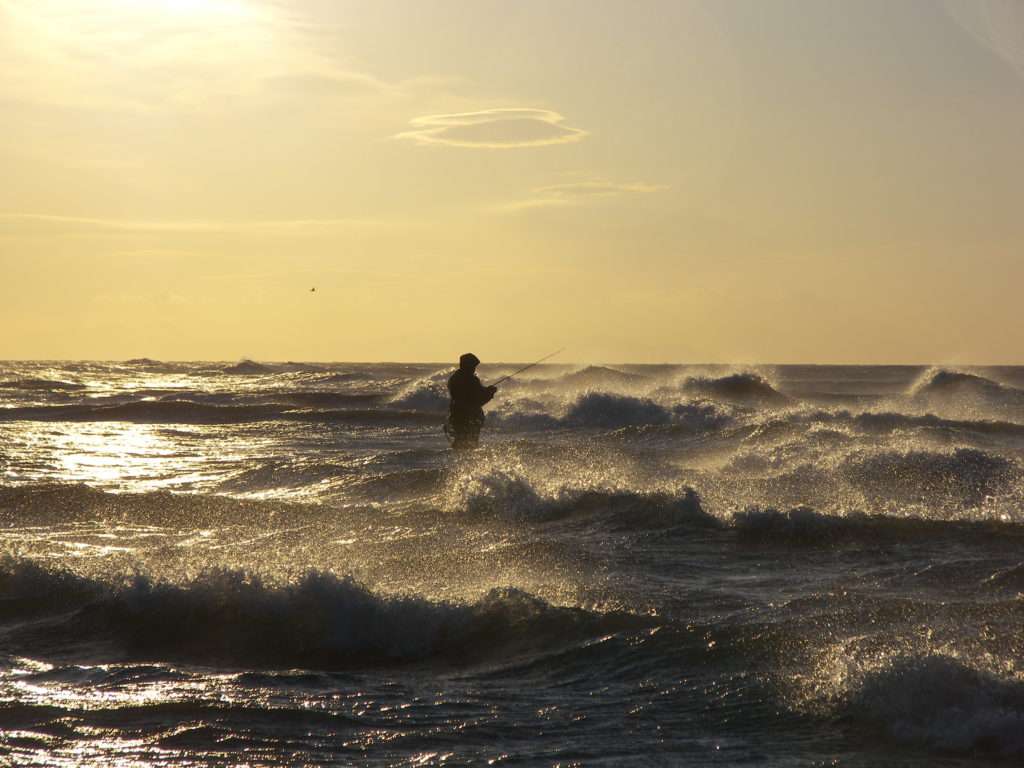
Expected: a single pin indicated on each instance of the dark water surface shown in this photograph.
(213, 565)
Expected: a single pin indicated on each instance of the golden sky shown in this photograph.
(636, 180)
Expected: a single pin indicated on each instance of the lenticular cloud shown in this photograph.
(506, 128)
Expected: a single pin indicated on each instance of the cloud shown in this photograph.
(147, 57)
(577, 193)
(996, 24)
(504, 128)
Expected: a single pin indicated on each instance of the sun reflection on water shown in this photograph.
(125, 457)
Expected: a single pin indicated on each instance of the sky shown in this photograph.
(775, 181)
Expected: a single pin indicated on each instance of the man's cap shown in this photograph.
(468, 359)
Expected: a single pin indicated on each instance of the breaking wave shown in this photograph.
(511, 496)
(427, 394)
(320, 620)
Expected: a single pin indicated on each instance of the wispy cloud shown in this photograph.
(996, 24)
(503, 128)
(148, 57)
(576, 193)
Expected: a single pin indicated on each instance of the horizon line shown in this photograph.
(512, 362)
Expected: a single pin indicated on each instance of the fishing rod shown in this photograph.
(527, 367)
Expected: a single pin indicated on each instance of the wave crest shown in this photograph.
(511, 496)
(427, 394)
(946, 382)
(736, 387)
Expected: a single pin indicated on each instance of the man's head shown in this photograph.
(469, 362)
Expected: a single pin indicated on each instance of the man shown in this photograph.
(466, 412)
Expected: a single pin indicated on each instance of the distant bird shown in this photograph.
(312, 290)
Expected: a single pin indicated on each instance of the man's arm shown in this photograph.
(485, 394)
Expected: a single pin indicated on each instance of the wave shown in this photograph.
(520, 420)
(879, 423)
(606, 410)
(966, 475)
(398, 484)
(327, 399)
(58, 504)
(938, 703)
(188, 412)
(807, 527)
(293, 474)
(510, 496)
(41, 385)
(277, 397)
(610, 411)
(247, 368)
(27, 589)
(597, 376)
(155, 412)
(685, 420)
(944, 383)
(736, 387)
(62, 504)
(891, 422)
(346, 377)
(365, 418)
(1010, 579)
(307, 474)
(496, 494)
(318, 621)
(429, 393)
(292, 366)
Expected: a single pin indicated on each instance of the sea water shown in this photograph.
(213, 564)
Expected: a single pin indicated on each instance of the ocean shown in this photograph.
(284, 564)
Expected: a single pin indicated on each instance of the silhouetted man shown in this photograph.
(466, 412)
